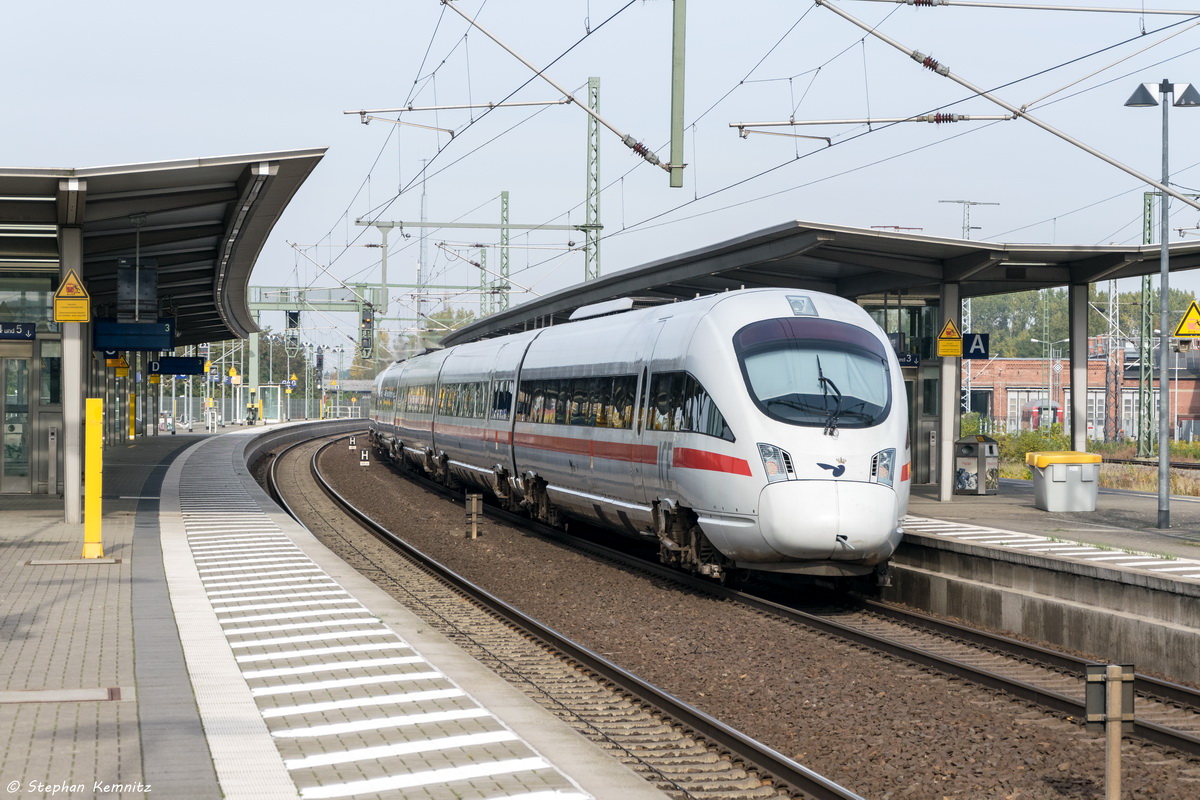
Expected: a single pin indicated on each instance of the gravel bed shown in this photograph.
(880, 727)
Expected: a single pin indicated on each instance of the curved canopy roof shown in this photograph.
(203, 221)
(855, 263)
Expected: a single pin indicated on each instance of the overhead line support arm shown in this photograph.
(930, 63)
(630, 142)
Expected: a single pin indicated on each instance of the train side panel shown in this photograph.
(576, 417)
(473, 423)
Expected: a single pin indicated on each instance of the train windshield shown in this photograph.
(815, 372)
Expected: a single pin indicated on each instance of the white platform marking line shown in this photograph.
(393, 750)
(288, 562)
(242, 547)
(287, 604)
(316, 637)
(363, 725)
(260, 553)
(322, 651)
(343, 683)
(230, 531)
(331, 666)
(312, 612)
(319, 579)
(254, 630)
(283, 585)
(328, 593)
(258, 561)
(362, 702)
(426, 778)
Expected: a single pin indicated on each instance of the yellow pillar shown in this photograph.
(93, 475)
(132, 415)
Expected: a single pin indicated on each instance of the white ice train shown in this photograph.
(764, 429)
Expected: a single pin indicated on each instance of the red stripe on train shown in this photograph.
(683, 457)
(615, 451)
(688, 458)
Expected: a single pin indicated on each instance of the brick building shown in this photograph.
(1013, 392)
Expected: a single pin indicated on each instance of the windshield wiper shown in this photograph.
(831, 422)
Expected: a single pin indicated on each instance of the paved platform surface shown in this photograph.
(1124, 520)
(184, 664)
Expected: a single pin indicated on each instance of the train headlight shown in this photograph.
(883, 467)
(777, 462)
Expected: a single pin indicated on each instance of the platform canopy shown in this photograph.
(855, 263)
(203, 222)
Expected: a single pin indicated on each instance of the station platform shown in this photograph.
(1123, 520)
(217, 650)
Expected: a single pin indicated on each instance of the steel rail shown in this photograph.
(1144, 685)
(1055, 701)
(753, 754)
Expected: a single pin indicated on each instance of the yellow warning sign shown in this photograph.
(72, 303)
(949, 341)
(71, 287)
(950, 331)
(1189, 326)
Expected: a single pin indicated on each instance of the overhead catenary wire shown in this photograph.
(628, 139)
(1029, 7)
(930, 63)
(647, 223)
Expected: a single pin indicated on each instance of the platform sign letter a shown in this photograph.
(975, 345)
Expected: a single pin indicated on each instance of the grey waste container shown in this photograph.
(976, 465)
(1064, 480)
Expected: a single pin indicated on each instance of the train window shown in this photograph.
(524, 403)
(605, 402)
(815, 372)
(679, 402)
(501, 399)
(620, 413)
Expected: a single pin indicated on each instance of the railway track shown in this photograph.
(1149, 462)
(1167, 714)
(684, 751)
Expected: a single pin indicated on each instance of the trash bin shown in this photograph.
(1065, 480)
(976, 465)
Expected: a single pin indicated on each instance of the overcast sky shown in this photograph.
(92, 84)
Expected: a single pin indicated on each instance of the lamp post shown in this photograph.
(1184, 96)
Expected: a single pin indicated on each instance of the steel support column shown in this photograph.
(949, 410)
(1077, 305)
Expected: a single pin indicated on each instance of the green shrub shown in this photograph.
(1014, 446)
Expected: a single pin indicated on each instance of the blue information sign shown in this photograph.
(108, 334)
(177, 365)
(17, 330)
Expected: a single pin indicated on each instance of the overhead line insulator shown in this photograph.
(641, 149)
(929, 62)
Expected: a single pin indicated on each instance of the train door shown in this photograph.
(644, 465)
(15, 472)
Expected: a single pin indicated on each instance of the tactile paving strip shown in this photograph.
(1033, 543)
(280, 653)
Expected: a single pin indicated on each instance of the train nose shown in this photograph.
(834, 520)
